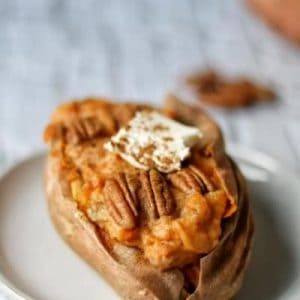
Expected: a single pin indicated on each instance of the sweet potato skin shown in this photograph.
(221, 271)
(135, 283)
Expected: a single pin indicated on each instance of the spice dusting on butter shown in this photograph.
(151, 140)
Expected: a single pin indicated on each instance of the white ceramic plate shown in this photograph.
(36, 264)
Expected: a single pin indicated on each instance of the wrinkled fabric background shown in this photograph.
(54, 50)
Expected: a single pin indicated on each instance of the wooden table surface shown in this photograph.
(53, 50)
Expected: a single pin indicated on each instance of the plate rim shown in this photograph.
(259, 158)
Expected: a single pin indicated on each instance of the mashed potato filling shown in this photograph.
(186, 211)
(170, 241)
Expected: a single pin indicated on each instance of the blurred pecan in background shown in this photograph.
(213, 89)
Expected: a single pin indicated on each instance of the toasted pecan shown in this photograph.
(190, 179)
(121, 199)
(74, 130)
(213, 89)
(158, 199)
(82, 129)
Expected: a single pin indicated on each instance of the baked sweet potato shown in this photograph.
(117, 255)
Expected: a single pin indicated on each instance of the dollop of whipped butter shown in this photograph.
(151, 140)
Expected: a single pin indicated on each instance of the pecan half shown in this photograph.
(158, 199)
(121, 199)
(75, 130)
(213, 89)
(82, 129)
(191, 179)
(208, 186)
